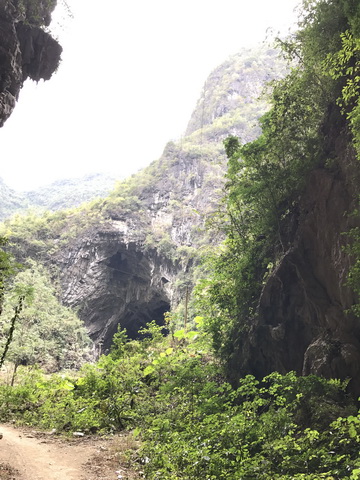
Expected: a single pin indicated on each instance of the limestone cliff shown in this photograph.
(303, 320)
(128, 258)
(26, 50)
(233, 96)
(131, 265)
(111, 281)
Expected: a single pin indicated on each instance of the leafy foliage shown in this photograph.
(192, 424)
(7, 268)
(344, 65)
(46, 333)
(266, 177)
(354, 275)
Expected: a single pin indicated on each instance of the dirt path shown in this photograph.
(39, 456)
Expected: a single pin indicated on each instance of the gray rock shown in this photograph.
(26, 50)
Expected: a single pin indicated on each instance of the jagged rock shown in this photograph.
(10, 67)
(40, 53)
(26, 50)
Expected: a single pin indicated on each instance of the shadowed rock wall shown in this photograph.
(302, 322)
(26, 50)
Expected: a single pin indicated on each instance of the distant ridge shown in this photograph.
(59, 195)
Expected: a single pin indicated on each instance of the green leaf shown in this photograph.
(191, 334)
(199, 321)
(66, 385)
(179, 334)
(148, 370)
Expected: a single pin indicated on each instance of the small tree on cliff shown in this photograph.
(7, 269)
(47, 333)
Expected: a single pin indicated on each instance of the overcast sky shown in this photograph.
(131, 74)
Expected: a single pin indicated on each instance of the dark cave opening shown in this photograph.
(138, 317)
(141, 316)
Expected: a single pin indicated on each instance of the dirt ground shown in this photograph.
(26, 454)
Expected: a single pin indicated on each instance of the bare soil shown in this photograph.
(26, 454)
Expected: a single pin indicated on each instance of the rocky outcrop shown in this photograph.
(230, 101)
(110, 279)
(26, 50)
(40, 53)
(303, 321)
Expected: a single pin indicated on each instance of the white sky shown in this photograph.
(131, 74)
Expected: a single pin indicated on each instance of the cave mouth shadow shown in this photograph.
(137, 318)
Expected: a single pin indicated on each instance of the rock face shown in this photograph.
(26, 50)
(301, 323)
(229, 103)
(111, 281)
(126, 269)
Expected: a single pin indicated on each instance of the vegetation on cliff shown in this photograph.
(34, 13)
(233, 99)
(312, 107)
(166, 205)
(172, 390)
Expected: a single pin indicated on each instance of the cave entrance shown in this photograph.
(137, 317)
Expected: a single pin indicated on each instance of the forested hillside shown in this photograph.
(59, 195)
(225, 308)
(10, 201)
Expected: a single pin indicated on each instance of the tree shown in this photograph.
(47, 333)
(7, 270)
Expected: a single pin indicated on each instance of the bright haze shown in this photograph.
(130, 76)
